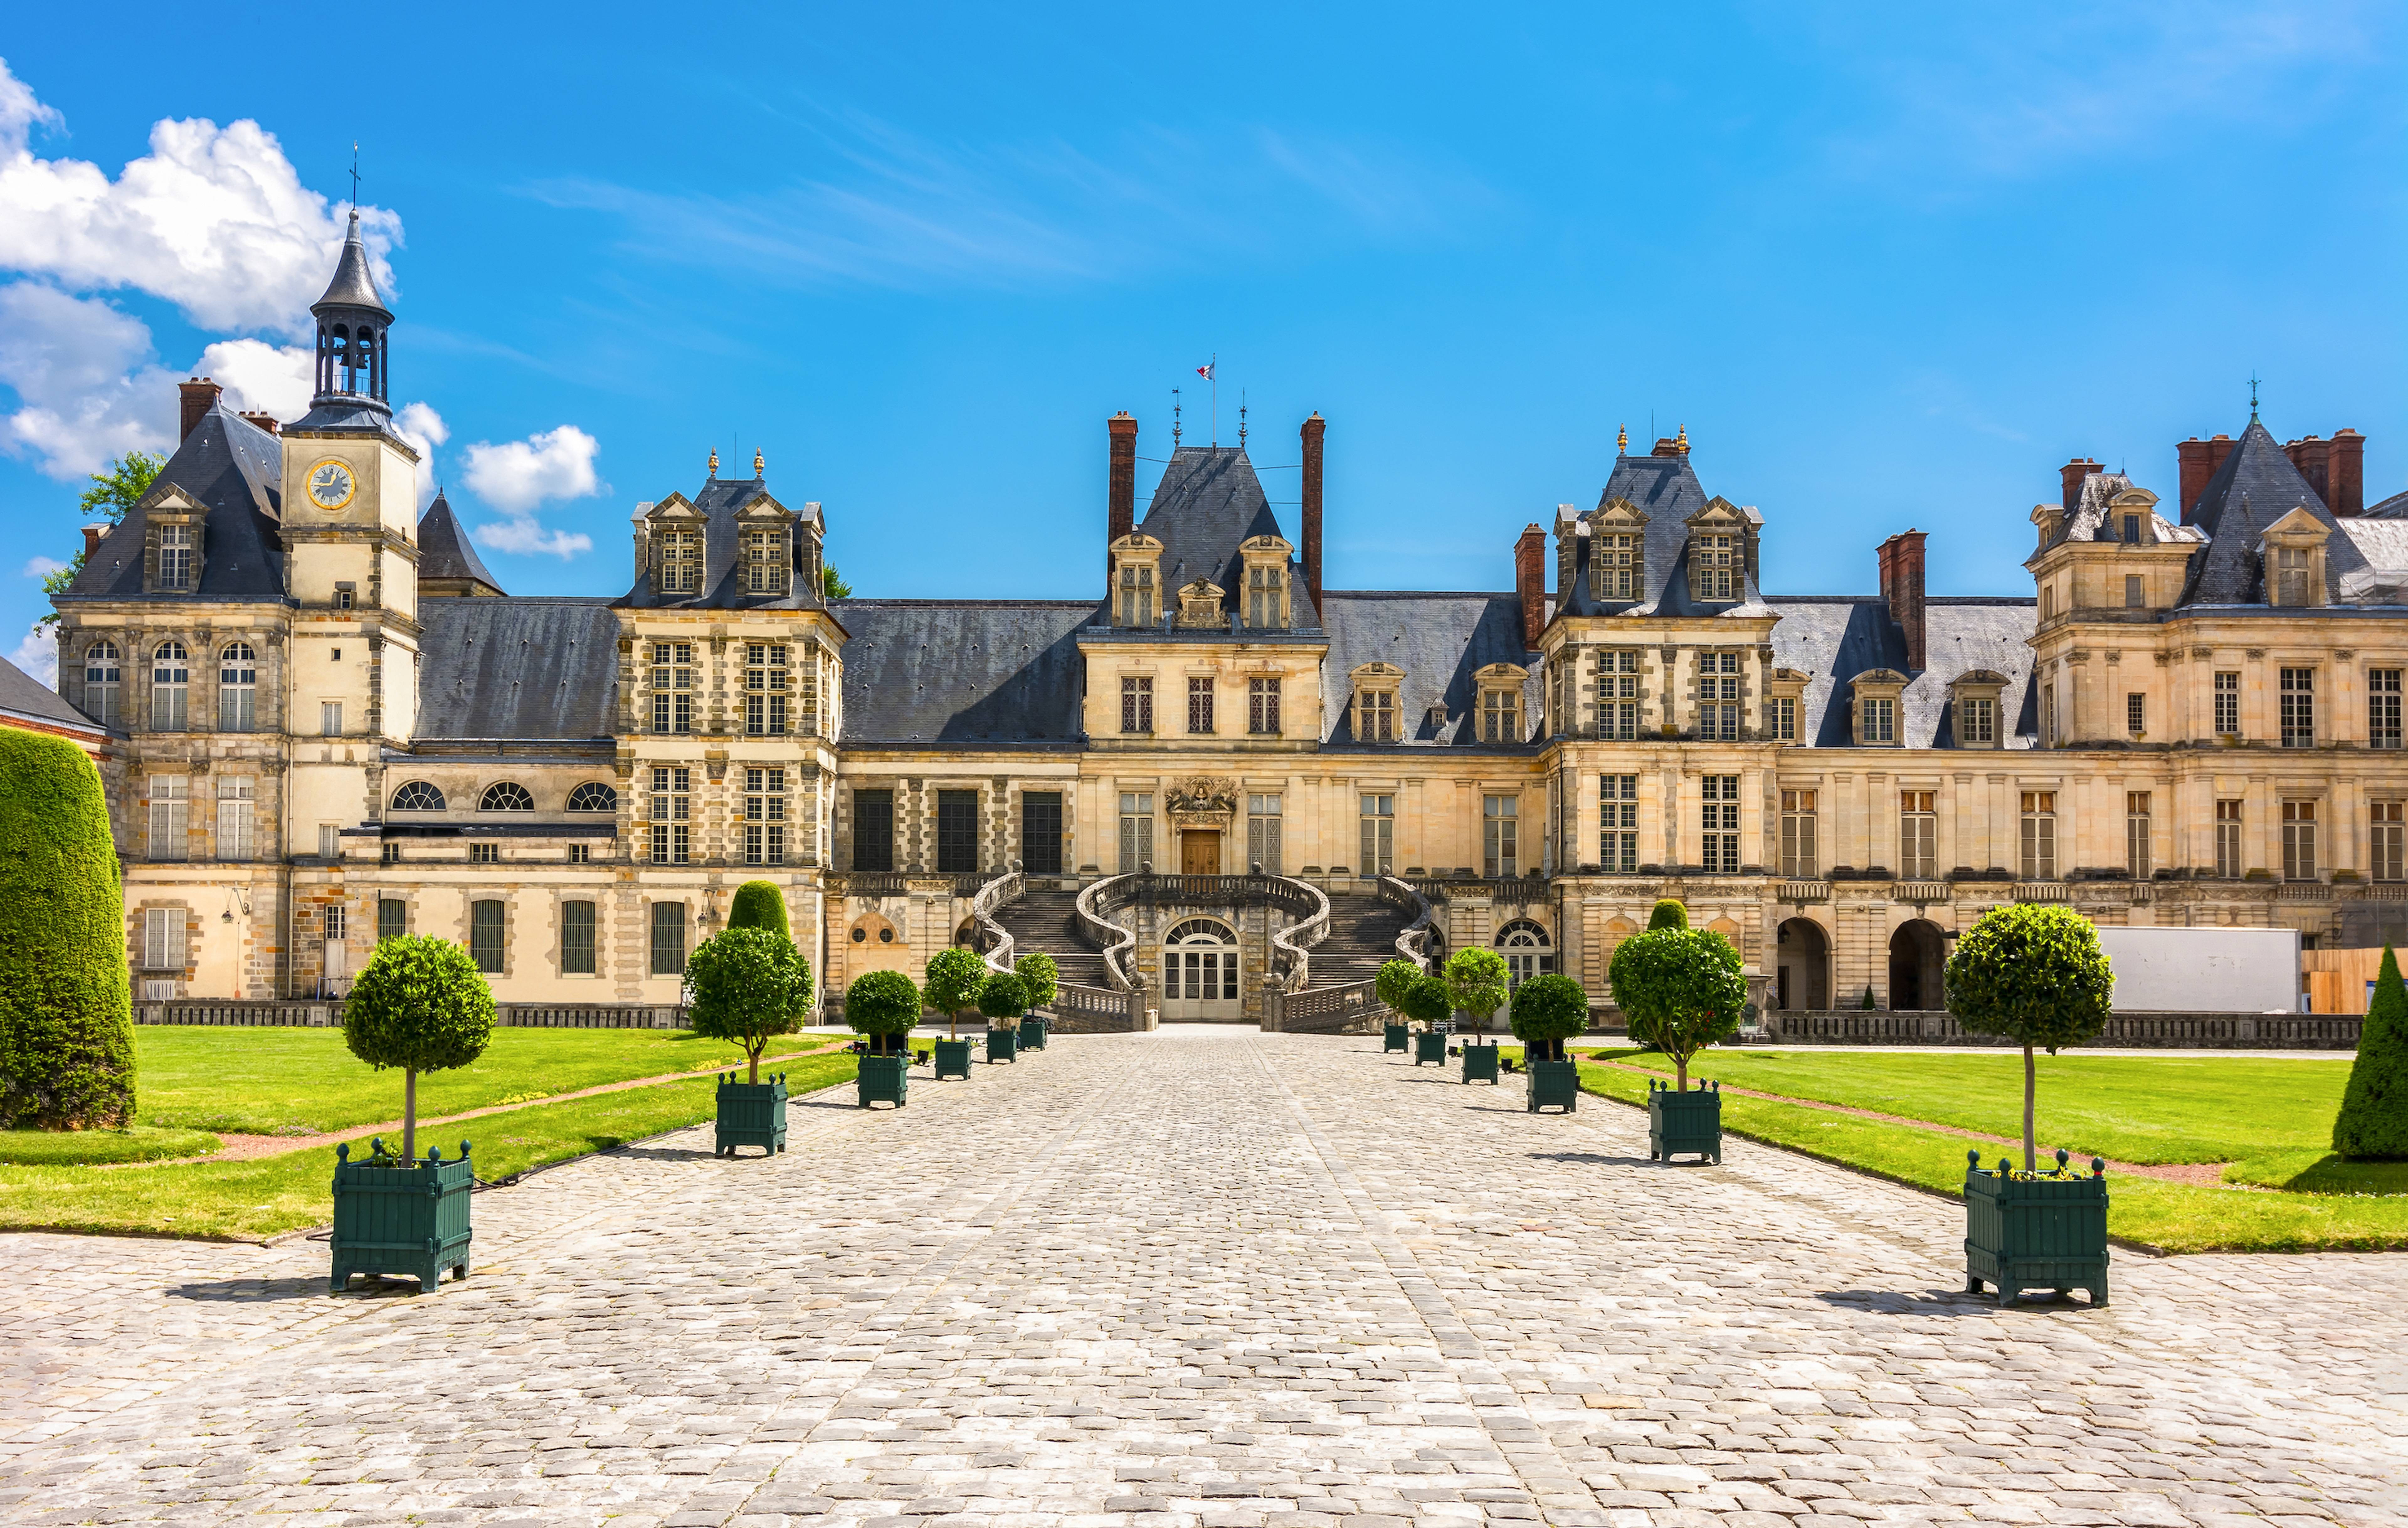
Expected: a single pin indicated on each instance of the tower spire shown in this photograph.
(352, 324)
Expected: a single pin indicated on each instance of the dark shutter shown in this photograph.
(485, 935)
(577, 939)
(1041, 833)
(957, 831)
(669, 938)
(873, 831)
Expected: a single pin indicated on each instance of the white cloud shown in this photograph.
(517, 475)
(42, 567)
(83, 375)
(521, 534)
(260, 378)
(423, 428)
(20, 112)
(38, 653)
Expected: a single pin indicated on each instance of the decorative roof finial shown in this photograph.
(756, 463)
(1622, 441)
(1174, 418)
(714, 461)
(1241, 418)
(2253, 397)
(1682, 440)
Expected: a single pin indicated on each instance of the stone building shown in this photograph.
(329, 722)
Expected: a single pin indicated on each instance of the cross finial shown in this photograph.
(2253, 397)
(1241, 418)
(355, 174)
(1174, 418)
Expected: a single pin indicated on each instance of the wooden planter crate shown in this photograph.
(885, 1079)
(1480, 1063)
(953, 1059)
(2048, 1232)
(1002, 1045)
(750, 1114)
(1690, 1121)
(1554, 1085)
(390, 1218)
(1032, 1033)
(1395, 1037)
(1430, 1045)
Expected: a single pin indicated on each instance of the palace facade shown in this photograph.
(329, 723)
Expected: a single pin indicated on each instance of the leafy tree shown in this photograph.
(1669, 913)
(66, 1016)
(1040, 976)
(954, 975)
(1002, 997)
(882, 1005)
(1394, 978)
(1425, 1000)
(422, 1006)
(747, 985)
(1682, 987)
(114, 490)
(832, 584)
(1547, 1011)
(1477, 982)
(2373, 1119)
(2036, 975)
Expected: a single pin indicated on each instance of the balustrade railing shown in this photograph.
(1414, 943)
(1000, 892)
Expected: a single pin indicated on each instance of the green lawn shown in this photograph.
(304, 1083)
(140, 1144)
(270, 1194)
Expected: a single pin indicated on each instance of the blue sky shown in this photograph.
(1890, 265)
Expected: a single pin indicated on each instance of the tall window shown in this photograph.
(1136, 833)
(669, 938)
(1524, 946)
(2227, 840)
(2048, 714)
(680, 564)
(673, 687)
(171, 679)
(2382, 708)
(170, 800)
(2299, 840)
(2227, 704)
(577, 939)
(1780, 712)
(2136, 834)
(1262, 818)
(1500, 716)
(485, 935)
(237, 688)
(162, 938)
(1199, 704)
(1718, 697)
(1798, 860)
(767, 686)
(1718, 817)
(331, 921)
(103, 682)
(957, 846)
(2040, 835)
(2298, 696)
(1379, 836)
(1136, 597)
(237, 814)
(2134, 597)
(1880, 720)
(2136, 713)
(2292, 576)
(392, 917)
(672, 815)
(1918, 836)
(1137, 703)
(1263, 707)
(1617, 849)
(1977, 719)
(1375, 716)
(1718, 571)
(1618, 696)
(1618, 567)
(764, 817)
(764, 568)
(1264, 605)
(330, 718)
(330, 843)
(2384, 845)
(1041, 831)
(1499, 833)
(873, 831)
(175, 557)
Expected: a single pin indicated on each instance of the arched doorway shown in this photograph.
(1916, 953)
(1527, 950)
(1805, 965)
(1199, 972)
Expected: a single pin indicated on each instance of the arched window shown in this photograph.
(594, 797)
(1527, 950)
(506, 796)
(102, 679)
(1199, 971)
(237, 688)
(418, 796)
(171, 680)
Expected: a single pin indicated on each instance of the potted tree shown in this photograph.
(953, 978)
(1476, 986)
(1003, 997)
(2372, 1124)
(1389, 987)
(1044, 980)
(1681, 989)
(422, 1006)
(882, 1006)
(1547, 1011)
(747, 985)
(1426, 1003)
(2034, 973)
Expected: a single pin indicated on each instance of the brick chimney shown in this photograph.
(2348, 472)
(1311, 433)
(2073, 472)
(92, 534)
(266, 421)
(1530, 583)
(1120, 498)
(200, 394)
(2200, 461)
(2312, 457)
(1902, 587)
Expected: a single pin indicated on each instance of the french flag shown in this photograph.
(1205, 372)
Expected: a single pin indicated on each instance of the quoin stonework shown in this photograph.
(326, 721)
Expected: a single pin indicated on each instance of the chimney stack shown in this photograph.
(2314, 459)
(1902, 586)
(2348, 472)
(2073, 472)
(266, 421)
(1530, 583)
(1311, 495)
(1120, 499)
(199, 394)
(92, 534)
(2201, 462)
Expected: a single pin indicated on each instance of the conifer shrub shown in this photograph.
(67, 1014)
(1548, 1010)
(883, 1005)
(421, 1005)
(2372, 1124)
(1040, 976)
(747, 985)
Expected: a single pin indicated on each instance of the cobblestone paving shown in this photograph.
(1197, 1278)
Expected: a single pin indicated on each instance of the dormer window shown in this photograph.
(2294, 550)
(1715, 561)
(1618, 552)
(765, 560)
(681, 552)
(1376, 711)
(1718, 544)
(1975, 705)
(1266, 597)
(1878, 696)
(1136, 587)
(175, 557)
(1137, 596)
(1501, 703)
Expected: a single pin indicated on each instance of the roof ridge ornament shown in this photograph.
(756, 464)
(714, 462)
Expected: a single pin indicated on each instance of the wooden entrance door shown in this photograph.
(1200, 853)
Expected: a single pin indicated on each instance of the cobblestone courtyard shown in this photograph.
(1196, 1277)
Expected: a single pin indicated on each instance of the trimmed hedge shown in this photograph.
(759, 904)
(67, 1010)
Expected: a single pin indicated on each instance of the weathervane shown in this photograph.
(355, 174)
(1241, 418)
(2253, 396)
(1174, 418)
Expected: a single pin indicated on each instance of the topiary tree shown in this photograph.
(1394, 978)
(66, 1015)
(1425, 1000)
(954, 975)
(1002, 997)
(2036, 975)
(1547, 1011)
(1682, 987)
(759, 904)
(2374, 1120)
(882, 1005)
(747, 985)
(1669, 913)
(422, 1006)
(1040, 976)
(1868, 1004)
(1477, 982)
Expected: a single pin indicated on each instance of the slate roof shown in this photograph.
(1835, 638)
(2094, 519)
(2256, 486)
(962, 671)
(27, 698)
(1666, 490)
(2394, 508)
(355, 282)
(444, 552)
(2384, 546)
(719, 500)
(236, 471)
(517, 667)
(1207, 505)
(1440, 640)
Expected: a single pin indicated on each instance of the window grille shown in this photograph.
(388, 854)
(1136, 833)
(2384, 860)
(2048, 714)
(1798, 859)
(2227, 704)
(672, 687)
(1619, 564)
(1880, 714)
(764, 817)
(175, 557)
(418, 796)
(506, 796)
(1500, 716)
(669, 939)
(344, 595)
(672, 813)
(681, 561)
(2137, 837)
(1718, 697)
(171, 801)
(1263, 819)
(2292, 576)
(2136, 713)
(1500, 842)
(1266, 589)
(171, 677)
(594, 797)
(1618, 696)
(1375, 716)
(1714, 566)
(1041, 833)
(1263, 707)
(1618, 840)
(767, 689)
(1199, 704)
(237, 816)
(2299, 840)
(1978, 720)
(2038, 834)
(873, 832)
(577, 939)
(1719, 820)
(1526, 951)
(1137, 703)
(1379, 836)
(764, 567)
(580, 853)
(2298, 702)
(957, 848)
(392, 917)
(330, 920)
(103, 684)
(237, 688)
(485, 935)
(2229, 862)
(1136, 597)
(1918, 835)
(330, 840)
(2382, 708)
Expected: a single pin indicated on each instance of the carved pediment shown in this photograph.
(1617, 513)
(1202, 802)
(1200, 605)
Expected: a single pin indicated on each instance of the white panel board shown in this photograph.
(2204, 970)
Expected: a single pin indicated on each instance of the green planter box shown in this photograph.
(2048, 1232)
(1002, 1045)
(953, 1059)
(885, 1079)
(1679, 1122)
(390, 1218)
(1430, 1045)
(751, 1114)
(1480, 1063)
(1032, 1035)
(1554, 1085)
(1395, 1037)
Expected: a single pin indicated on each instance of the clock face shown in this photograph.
(331, 485)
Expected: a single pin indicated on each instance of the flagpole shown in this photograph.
(1216, 397)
